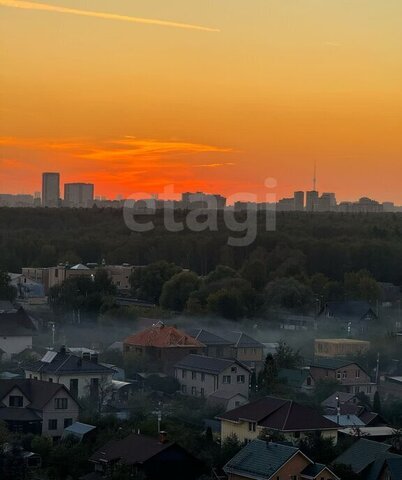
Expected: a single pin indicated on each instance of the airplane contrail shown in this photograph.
(109, 16)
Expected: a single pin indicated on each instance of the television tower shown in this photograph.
(315, 177)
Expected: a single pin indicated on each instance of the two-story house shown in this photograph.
(261, 460)
(34, 406)
(163, 344)
(16, 332)
(348, 373)
(246, 349)
(291, 419)
(215, 345)
(224, 379)
(354, 317)
(83, 377)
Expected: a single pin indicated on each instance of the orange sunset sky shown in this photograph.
(228, 94)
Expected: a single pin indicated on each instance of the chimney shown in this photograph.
(63, 349)
(163, 437)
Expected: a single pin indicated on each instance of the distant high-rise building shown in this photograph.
(199, 200)
(50, 189)
(78, 195)
(299, 201)
(286, 205)
(311, 201)
(327, 202)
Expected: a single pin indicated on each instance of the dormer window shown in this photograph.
(16, 401)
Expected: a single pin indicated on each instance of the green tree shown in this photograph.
(377, 403)
(290, 294)
(255, 272)
(286, 357)
(226, 303)
(361, 286)
(324, 388)
(147, 282)
(7, 291)
(268, 375)
(177, 290)
(221, 272)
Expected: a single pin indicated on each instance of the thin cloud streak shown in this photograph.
(24, 5)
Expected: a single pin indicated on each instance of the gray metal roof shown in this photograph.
(207, 338)
(260, 459)
(361, 454)
(205, 364)
(241, 340)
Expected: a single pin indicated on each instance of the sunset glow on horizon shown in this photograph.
(134, 95)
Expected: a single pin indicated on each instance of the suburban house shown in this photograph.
(354, 317)
(347, 404)
(261, 460)
(33, 406)
(293, 420)
(348, 373)
(246, 349)
(83, 377)
(16, 332)
(297, 322)
(164, 344)
(339, 347)
(372, 460)
(216, 346)
(298, 379)
(391, 387)
(203, 376)
(52, 276)
(156, 458)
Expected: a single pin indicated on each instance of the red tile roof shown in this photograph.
(162, 336)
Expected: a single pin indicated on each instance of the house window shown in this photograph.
(184, 389)
(183, 374)
(193, 375)
(357, 373)
(344, 374)
(369, 389)
(60, 403)
(202, 391)
(52, 424)
(193, 391)
(241, 379)
(74, 387)
(68, 422)
(308, 381)
(15, 401)
(227, 379)
(202, 377)
(251, 426)
(234, 369)
(338, 375)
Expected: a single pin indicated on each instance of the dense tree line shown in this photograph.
(331, 244)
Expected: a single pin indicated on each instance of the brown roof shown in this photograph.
(39, 393)
(162, 336)
(279, 414)
(132, 450)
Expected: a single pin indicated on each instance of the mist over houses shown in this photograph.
(147, 392)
